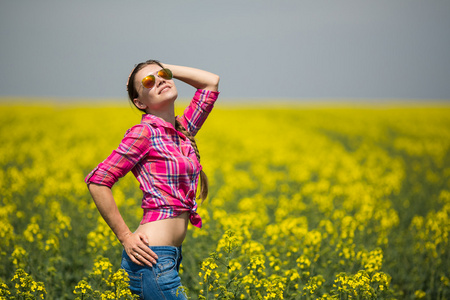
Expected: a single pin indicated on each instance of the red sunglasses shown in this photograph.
(149, 80)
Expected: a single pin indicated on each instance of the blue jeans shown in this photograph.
(161, 281)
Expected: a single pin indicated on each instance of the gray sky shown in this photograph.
(261, 49)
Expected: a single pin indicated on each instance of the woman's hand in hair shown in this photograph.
(197, 78)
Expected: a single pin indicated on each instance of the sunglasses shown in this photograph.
(150, 80)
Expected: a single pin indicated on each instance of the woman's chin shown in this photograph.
(171, 94)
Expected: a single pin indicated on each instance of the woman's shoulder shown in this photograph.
(141, 130)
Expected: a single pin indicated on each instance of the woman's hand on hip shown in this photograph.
(136, 246)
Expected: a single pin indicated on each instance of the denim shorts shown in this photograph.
(161, 281)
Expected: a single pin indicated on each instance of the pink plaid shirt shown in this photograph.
(163, 161)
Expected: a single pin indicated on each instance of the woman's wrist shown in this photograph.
(122, 237)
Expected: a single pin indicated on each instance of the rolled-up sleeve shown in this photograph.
(198, 110)
(133, 147)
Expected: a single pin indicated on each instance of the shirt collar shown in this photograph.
(155, 121)
(159, 122)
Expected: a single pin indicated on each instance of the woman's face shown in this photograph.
(157, 97)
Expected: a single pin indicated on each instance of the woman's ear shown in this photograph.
(139, 104)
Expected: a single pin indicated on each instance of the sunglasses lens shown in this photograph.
(165, 73)
(149, 81)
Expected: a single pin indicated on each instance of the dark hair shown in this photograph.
(133, 93)
(203, 178)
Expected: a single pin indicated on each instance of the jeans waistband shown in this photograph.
(166, 250)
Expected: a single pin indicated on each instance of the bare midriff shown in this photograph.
(167, 232)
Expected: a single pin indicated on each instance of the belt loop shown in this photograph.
(178, 258)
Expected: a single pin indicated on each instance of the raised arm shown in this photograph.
(197, 78)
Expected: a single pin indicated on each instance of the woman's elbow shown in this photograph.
(95, 187)
(214, 84)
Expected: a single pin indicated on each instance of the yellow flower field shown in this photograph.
(306, 202)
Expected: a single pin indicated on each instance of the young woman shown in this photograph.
(162, 154)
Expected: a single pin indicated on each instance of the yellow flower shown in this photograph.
(420, 294)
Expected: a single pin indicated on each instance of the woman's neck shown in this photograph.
(167, 113)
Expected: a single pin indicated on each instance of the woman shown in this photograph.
(162, 154)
